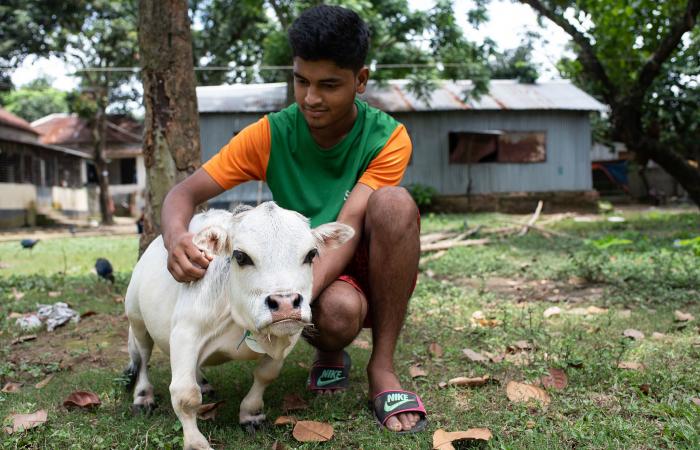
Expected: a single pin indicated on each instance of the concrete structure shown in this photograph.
(35, 178)
(127, 172)
(519, 138)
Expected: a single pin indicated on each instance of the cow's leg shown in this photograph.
(251, 415)
(185, 393)
(140, 348)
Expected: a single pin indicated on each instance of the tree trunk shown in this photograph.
(678, 167)
(171, 135)
(99, 135)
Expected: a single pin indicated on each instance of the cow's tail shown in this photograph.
(132, 370)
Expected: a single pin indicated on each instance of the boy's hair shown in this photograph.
(330, 32)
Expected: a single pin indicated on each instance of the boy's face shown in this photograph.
(325, 92)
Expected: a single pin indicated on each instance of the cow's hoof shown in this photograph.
(254, 423)
(143, 409)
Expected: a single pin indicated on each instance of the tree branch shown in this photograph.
(588, 58)
(652, 67)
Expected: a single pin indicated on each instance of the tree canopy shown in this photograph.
(34, 100)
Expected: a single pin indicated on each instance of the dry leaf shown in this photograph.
(552, 311)
(520, 345)
(556, 379)
(683, 317)
(631, 365)
(118, 298)
(17, 294)
(11, 387)
(530, 424)
(658, 336)
(311, 431)
(361, 343)
(442, 384)
(87, 314)
(208, 411)
(26, 337)
(277, 445)
(645, 388)
(43, 382)
(442, 440)
(634, 334)
(435, 349)
(695, 400)
(26, 421)
(82, 399)
(285, 420)
(495, 357)
(54, 294)
(595, 310)
(523, 392)
(470, 382)
(294, 402)
(417, 371)
(474, 356)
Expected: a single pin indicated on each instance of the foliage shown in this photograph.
(423, 195)
(516, 63)
(34, 100)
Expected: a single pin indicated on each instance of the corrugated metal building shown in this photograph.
(517, 138)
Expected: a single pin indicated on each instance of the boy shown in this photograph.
(330, 157)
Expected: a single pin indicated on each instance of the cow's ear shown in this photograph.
(334, 234)
(214, 240)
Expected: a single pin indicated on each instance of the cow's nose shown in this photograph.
(284, 303)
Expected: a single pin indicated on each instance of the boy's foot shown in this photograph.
(330, 373)
(382, 380)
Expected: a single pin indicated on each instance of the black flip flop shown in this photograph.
(330, 378)
(390, 403)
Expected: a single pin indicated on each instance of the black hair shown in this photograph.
(330, 32)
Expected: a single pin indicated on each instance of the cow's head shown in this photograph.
(270, 251)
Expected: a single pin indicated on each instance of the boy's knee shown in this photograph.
(392, 208)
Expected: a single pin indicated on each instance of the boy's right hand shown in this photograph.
(186, 262)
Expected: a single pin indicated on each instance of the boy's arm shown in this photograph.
(331, 262)
(185, 261)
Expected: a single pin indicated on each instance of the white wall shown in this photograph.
(16, 195)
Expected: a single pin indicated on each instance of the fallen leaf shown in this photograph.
(519, 345)
(470, 382)
(442, 384)
(633, 334)
(683, 317)
(82, 399)
(556, 379)
(118, 299)
(630, 365)
(25, 421)
(311, 431)
(17, 294)
(11, 387)
(208, 411)
(43, 382)
(695, 400)
(523, 392)
(593, 310)
(530, 424)
(26, 337)
(442, 440)
(87, 314)
(361, 343)
(54, 294)
(417, 371)
(435, 349)
(474, 356)
(277, 445)
(294, 402)
(285, 420)
(645, 388)
(658, 336)
(552, 311)
(495, 357)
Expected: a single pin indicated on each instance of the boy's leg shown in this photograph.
(391, 229)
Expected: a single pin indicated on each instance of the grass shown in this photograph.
(512, 280)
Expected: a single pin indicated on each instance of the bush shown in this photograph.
(423, 195)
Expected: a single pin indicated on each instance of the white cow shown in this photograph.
(252, 303)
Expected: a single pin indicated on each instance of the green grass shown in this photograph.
(512, 280)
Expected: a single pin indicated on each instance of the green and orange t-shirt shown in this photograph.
(306, 178)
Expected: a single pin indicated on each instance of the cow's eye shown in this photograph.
(310, 256)
(242, 258)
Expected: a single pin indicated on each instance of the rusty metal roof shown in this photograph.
(394, 96)
(10, 120)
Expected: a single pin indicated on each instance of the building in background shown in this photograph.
(502, 151)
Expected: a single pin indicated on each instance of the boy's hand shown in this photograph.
(186, 262)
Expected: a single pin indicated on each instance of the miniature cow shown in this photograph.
(252, 303)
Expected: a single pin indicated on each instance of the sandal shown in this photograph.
(330, 378)
(390, 403)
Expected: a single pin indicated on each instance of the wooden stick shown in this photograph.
(450, 244)
(432, 257)
(533, 219)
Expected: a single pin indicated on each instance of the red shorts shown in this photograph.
(357, 274)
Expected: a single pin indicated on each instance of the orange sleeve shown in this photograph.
(388, 167)
(244, 158)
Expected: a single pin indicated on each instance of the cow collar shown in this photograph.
(251, 342)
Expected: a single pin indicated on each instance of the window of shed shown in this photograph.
(497, 146)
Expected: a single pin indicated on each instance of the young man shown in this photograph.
(330, 157)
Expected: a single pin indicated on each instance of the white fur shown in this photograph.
(203, 323)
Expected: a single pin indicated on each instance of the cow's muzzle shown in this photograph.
(284, 307)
